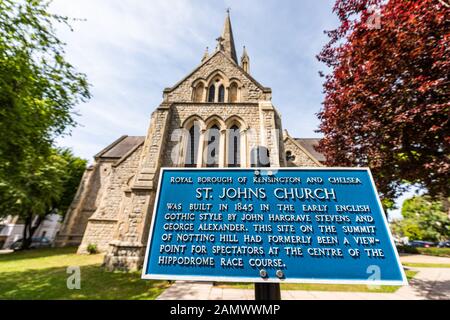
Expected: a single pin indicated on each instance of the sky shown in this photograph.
(131, 50)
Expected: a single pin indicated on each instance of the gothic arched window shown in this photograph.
(198, 93)
(192, 146)
(221, 93)
(233, 92)
(234, 147)
(213, 145)
(211, 93)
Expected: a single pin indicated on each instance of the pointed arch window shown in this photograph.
(198, 93)
(212, 148)
(233, 92)
(211, 93)
(221, 93)
(192, 147)
(234, 147)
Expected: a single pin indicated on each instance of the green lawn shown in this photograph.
(426, 265)
(325, 287)
(432, 251)
(41, 274)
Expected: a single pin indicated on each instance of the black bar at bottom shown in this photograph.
(267, 291)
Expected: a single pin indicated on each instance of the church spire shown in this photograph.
(245, 61)
(227, 40)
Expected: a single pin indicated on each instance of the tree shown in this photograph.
(386, 98)
(424, 219)
(47, 187)
(38, 90)
(38, 87)
(74, 168)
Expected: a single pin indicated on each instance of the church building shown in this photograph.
(217, 116)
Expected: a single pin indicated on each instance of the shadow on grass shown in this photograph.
(36, 253)
(96, 283)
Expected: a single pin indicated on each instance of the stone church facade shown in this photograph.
(217, 116)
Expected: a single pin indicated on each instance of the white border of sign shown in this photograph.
(404, 280)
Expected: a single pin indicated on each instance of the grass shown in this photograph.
(438, 252)
(324, 287)
(41, 274)
(426, 265)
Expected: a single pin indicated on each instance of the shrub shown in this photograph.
(432, 251)
(92, 248)
(407, 249)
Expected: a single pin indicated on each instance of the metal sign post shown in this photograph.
(267, 291)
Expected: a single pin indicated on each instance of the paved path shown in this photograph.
(429, 283)
(421, 258)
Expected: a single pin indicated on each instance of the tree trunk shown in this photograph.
(29, 230)
(26, 237)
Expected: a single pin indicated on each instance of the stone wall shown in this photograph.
(119, 181)
(101, 228)
(85, 203)
(98, 232)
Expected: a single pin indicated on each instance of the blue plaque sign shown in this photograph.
(310, 225)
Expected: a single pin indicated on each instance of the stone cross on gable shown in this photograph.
(220, 41)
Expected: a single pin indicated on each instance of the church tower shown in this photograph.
(217, 116)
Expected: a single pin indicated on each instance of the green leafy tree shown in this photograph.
(424, 219)
(38, 90)
(74, 168)
(47, 187)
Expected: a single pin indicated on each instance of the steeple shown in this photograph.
(245, 61)
(226, 41)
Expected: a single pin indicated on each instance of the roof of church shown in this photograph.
(309, 144)
(121, 147)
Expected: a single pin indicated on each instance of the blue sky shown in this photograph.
(132, 49)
